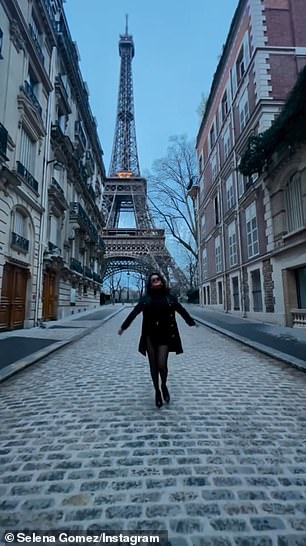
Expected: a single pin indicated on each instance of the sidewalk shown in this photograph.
(286, 344)
(21, 348)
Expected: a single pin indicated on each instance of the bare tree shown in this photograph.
(114, 286)
(169, 197)
(202, 106)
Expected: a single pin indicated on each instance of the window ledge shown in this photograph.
(293, 233)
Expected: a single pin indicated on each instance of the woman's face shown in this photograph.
(156, 282)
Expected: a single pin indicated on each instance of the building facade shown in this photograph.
(51, 170)
(264, 52)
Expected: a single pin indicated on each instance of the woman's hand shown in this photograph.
(120, 332)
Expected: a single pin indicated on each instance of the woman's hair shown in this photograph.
(164, 288)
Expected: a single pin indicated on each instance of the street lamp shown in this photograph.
(128, 287)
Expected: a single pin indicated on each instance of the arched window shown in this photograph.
(20, 226)
(294, 203)
(20, 238)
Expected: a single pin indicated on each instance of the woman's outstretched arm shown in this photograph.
(129, 319)
(184, 313)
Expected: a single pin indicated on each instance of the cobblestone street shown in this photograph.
(84, 447)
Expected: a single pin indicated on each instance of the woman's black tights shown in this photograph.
(158, 357)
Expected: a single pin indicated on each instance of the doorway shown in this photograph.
(13, 298)
(50, 296)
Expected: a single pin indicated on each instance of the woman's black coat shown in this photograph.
(175, 344)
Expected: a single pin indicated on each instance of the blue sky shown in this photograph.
(177, 45)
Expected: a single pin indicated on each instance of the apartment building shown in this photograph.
(279, 155)
(51, 170)
(263, 54)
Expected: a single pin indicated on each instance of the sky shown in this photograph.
(177, 47)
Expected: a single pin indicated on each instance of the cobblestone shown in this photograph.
(223, 464)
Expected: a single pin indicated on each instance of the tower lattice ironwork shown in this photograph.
(124, 154)
(140, 248)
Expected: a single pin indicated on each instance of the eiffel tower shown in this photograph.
(141, 247)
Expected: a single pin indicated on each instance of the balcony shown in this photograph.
(50, 17)
(75, 265)
(37, 45)
(19, 243)
(83, 172)
(3, 142)
(80, 136)
(28, 90)
(90, 164)
(87, 272)
(97, 278)
(62, 94)
(27, 178)
(77, 213)
(298, 318)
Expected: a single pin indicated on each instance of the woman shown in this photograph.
(159, 333)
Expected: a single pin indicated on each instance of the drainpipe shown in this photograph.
(244, 315)
(225, 306)
(44, 195)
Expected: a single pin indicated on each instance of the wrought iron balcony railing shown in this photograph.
(87, 272)
(3, 140)
(78, 213)
(61, 89)
(19, 242)
(90, 164)
(48, 7)
(80, 134)
(55, 185)
(37, 44)
(27, 177)
(28, 89)
(97, 278)
(75, 265)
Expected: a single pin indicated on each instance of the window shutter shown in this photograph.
(220, 114)
(246, 51)
(234, 79)
(229, 94)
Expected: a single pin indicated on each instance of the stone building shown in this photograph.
(51, 170)
(279, 156)
(263, 54)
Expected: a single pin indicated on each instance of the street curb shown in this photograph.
(23, 363)
(274, 353)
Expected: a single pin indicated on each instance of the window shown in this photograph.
(1, 43)
(241, 185)
(244, 111)
(205, 266)
(243, 59)
(55, 230)
(212, 136)
(218, 255)
(252, 230)
(214, 167)
(200, 164)
(256, 290)
(232, 244)
(203, 224)
(217, 209)
(27, 151)
(20, 224)
(235, 288)
(300, 277)
(225, 107)
(227, 143)
(230, 193)
(220, 295)
(294, 204)
(240, 68)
